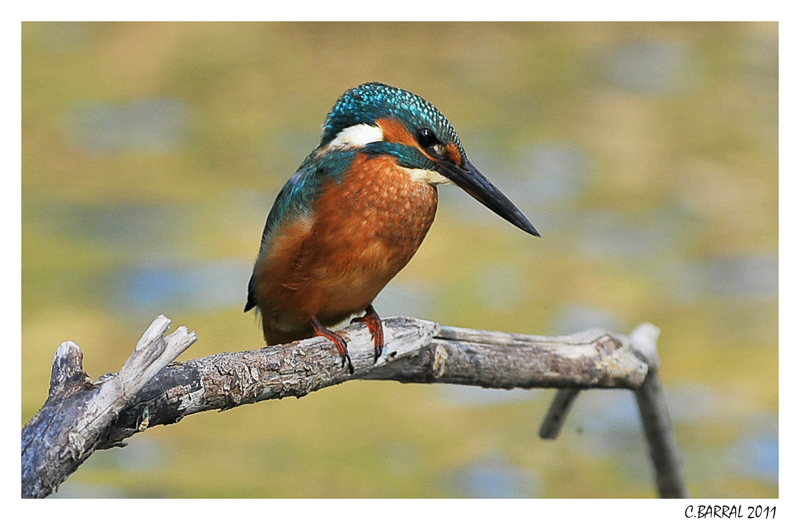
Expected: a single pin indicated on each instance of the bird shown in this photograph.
(355, 212)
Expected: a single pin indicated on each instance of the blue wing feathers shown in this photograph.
(296, 198)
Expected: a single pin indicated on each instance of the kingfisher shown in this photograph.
(356, 211)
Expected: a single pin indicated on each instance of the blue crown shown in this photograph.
(372, 101)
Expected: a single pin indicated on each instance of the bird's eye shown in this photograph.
(426, 138)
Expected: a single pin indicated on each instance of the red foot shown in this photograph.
(341, 344)
(375, 327)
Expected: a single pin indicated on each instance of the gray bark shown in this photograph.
(80, 416)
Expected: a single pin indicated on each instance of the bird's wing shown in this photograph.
(296, 199)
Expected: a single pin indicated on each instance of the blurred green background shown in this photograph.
(646, 154)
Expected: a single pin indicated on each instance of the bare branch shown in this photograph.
(78, 414)
(655, 418)
(80, 417)
(557, 414)
(590, 359)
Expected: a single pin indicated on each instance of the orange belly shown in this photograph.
(331, 265)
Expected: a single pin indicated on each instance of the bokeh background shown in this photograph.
(646, 154)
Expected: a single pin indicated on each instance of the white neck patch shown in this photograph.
(429, 176)
(356, 136)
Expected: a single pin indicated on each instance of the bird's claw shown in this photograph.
(338, 341)
(375, 327)
(346, 361)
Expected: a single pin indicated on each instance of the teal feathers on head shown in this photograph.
(369, 102)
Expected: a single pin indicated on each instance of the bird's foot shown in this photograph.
(375, 327)
(341, 344)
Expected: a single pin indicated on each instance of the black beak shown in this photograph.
(473, 182)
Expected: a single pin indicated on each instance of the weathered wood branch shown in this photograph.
(656, 422)
(80, 417)
(78, 414)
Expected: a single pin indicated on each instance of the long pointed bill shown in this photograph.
(473, 182)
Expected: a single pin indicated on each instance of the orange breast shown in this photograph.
(363, 231)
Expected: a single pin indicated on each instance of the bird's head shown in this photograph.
(378, 119)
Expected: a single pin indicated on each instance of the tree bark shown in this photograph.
(80, 417)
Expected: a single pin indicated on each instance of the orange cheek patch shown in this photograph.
(396, 132)
(452, 153)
